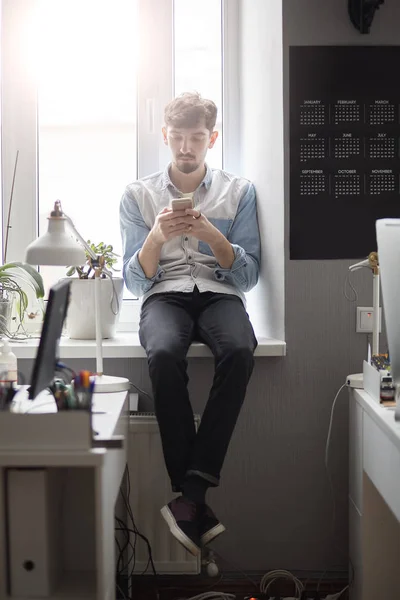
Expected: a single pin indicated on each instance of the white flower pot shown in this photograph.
(80, 322)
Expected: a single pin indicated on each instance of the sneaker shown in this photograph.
(210, 526)
(182, 517)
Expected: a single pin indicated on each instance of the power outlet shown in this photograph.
(365, 315)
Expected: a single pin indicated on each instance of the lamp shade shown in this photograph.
(56, 247)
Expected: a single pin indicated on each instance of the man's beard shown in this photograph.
(186, 166)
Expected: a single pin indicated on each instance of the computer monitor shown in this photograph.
(48, 351)
(388, 238)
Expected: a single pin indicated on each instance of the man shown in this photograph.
(192, 268)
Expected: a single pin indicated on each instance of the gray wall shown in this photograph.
(275, 498)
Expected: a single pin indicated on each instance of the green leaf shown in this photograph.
(22, 304)
(101, 250)
(26, 273)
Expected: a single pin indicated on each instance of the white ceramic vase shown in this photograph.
(80, 322)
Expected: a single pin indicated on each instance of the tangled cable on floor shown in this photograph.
(270, 578)
(213, 596)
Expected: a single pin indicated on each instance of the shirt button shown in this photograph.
(186, 239)
(190, 258)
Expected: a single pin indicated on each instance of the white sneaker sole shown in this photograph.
(212, 534)
(178, 533)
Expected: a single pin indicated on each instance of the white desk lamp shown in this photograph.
(373, 263)
(58, 248)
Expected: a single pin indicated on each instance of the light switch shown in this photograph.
(365, 318)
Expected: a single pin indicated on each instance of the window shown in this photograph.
(86, 114)
(198, 56)
(84, 84)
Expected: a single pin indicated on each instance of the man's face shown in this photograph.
(189, 146)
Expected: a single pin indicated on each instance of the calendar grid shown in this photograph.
(344, 146)
(344, 133)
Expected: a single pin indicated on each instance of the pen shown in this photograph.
(85, 379)
(83, 390)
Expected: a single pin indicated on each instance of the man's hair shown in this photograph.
(190, 110)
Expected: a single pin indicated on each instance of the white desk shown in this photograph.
(82, 486)
(374, 499)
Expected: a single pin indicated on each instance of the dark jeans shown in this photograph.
(169, 323)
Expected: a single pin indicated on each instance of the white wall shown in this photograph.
(261, 109)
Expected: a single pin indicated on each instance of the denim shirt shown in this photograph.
(228, 202)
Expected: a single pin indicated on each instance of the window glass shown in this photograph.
(87, 133)
(198, 57)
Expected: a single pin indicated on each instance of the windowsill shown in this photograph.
(127, 345)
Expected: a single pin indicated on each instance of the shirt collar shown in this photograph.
(166, 181)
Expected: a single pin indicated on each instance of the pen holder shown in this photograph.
(83, 388)
(76, 396)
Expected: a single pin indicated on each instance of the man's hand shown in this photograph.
(169, 224)
(200, 227)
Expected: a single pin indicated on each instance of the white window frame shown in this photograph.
(155, 84)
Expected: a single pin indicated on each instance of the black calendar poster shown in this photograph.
(344, 148)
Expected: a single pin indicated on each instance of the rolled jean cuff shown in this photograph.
(213, 481)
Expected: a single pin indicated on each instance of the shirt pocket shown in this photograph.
(223, 225)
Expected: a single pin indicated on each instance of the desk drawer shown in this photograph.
(382, 463)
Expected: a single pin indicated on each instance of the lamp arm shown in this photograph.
(97, 309)
(80, 238)
(359, 265)
(372, 262)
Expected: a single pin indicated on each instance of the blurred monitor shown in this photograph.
(48, 351)
(388, 238)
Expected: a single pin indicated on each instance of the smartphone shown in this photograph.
(181, 203)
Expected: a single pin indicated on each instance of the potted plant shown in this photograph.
(80, 321)
(16, 279)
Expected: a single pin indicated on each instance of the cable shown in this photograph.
(128, 543)
(337, 596)
(123, 527)
(138, 389)
(114, 294)
(348, 281)
(270, 577)
(121, 592)
(238, 569)
(150, 560)
(144, 538)
(121, 568)
(120, 555)
(328, 440)
(213, 596)
(134, 530)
